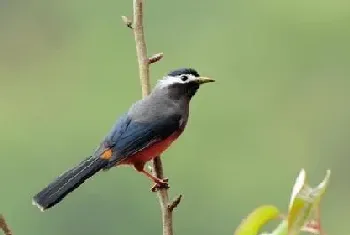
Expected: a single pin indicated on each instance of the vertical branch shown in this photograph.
(3, 225)
(141, 49)
(144, 63)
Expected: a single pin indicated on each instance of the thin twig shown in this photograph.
(155, 58)
(141, 49)
(3, 225)
(144, 62)
(175, 203)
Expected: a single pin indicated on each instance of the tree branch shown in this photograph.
(175, 203)
(144, 62)
(155, 58)
(141, 49)
(3, 225)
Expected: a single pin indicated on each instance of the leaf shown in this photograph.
(303, 201)
(257, 219)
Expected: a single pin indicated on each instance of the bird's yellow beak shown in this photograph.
(202, 80)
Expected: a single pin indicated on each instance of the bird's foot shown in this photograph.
(160, 184)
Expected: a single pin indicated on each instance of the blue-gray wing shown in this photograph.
(128, 137)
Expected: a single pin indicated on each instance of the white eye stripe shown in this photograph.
(180, 79)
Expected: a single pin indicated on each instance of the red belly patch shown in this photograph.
(151, 151)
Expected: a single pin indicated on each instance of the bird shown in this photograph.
(145, 131)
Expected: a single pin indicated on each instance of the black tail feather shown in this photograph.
(67, 182)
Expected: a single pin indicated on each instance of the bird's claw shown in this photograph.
(160, 184)
(165, 180)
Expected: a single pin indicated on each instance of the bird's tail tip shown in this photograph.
(67, 182)
(35, 203)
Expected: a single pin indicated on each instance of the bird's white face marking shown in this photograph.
(180, 79)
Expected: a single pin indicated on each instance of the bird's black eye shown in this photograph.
(184, 78)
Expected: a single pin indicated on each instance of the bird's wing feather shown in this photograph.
(128, 137)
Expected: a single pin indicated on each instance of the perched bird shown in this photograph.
(143, 133)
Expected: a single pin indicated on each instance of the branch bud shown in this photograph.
(127, 22)
(155, 58)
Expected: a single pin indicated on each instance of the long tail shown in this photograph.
(67, 182)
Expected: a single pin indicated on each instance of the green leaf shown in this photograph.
(256, 220)
(303, 202)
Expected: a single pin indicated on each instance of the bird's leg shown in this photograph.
(159, 183)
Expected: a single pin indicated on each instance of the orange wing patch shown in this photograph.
(107, 154)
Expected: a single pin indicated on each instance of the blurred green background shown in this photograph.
(281, 102)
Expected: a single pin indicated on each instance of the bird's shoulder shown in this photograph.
(142, 119)
(154, 107)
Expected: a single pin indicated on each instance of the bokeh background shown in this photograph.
(281, 103)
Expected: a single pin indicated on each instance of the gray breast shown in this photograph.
(159, 105)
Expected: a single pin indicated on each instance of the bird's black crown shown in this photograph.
(178, 72)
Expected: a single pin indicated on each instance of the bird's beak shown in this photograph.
(202, 80)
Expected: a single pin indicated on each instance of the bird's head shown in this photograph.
(182, 82)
